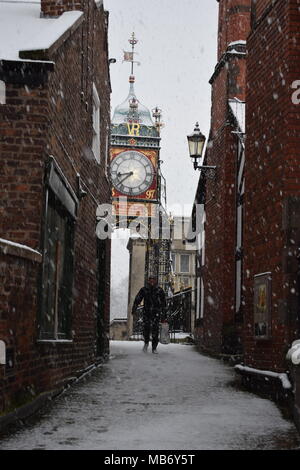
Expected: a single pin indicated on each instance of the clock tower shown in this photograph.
(134, 155)
(137, 187)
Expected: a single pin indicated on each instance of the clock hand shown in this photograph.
(121, 174)
(127, 176)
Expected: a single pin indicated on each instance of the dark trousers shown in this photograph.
(151, 325)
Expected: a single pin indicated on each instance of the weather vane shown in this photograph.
(129, 55)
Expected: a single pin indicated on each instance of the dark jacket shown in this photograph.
(154, 301)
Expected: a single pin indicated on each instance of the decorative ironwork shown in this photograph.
(209, 171)
(179, 308)
(158, 262)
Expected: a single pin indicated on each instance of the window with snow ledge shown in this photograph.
(96, 124)
(2, 92)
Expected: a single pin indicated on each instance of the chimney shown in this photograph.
(54, 8)
(234, 23)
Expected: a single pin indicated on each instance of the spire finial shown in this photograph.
(133, 41)
(157, 114)
(129, 56)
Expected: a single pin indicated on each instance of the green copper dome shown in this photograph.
(132, 111)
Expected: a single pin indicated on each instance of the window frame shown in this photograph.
(189, 263)
(62, 203)
(173, 260)
(2, 92)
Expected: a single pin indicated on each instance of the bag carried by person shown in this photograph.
(164, 334)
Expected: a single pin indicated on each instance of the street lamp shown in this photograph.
(196, 143)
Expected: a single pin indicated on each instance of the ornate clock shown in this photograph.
(131, 173)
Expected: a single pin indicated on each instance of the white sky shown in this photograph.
(177, 49)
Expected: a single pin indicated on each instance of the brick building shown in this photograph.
(55, 120)
(248, 243)
(219, 265)
(272, 228)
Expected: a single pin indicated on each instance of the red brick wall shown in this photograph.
(260, 8)
(234, 22)
(228, 82)
(293, 117)
(23, 125)
(74, 157)
(272, 174)
(18, 305)
(219, 101)
(220, 229)
(54, 118)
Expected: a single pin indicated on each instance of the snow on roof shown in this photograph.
(238, 109)
(234, 51)
(22, 28)
(235, 43)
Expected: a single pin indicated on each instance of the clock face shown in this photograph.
(131, 173)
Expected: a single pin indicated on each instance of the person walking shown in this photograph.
(153, 313)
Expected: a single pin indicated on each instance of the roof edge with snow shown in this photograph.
(8, 247)
(43, 47)
(236, 49)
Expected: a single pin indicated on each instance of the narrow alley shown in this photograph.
(178, 399)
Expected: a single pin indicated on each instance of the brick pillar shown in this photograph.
(229, 78)
(234, 22)
(57, 7)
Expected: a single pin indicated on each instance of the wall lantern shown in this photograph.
(196, 143)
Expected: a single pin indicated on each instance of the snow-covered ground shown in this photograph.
(176, 400)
